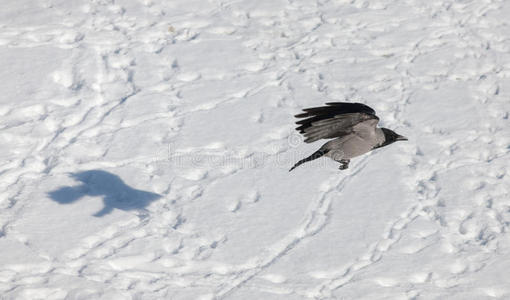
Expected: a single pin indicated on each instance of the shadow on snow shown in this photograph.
(115, 193)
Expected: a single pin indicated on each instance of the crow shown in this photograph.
(352, 126)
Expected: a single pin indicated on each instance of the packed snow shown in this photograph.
(146, 147)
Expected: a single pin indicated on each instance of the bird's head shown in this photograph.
(391, 137)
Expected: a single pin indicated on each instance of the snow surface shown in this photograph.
(146, 147)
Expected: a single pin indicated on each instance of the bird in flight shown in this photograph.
(352, 126)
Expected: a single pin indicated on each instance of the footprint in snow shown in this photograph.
(249, 198)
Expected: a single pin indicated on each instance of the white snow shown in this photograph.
(146, 147)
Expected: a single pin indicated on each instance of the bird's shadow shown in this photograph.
(115, 193)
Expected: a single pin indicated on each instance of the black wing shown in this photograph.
(336, 119)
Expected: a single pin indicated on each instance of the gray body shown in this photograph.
(353, 145)
(351, 126)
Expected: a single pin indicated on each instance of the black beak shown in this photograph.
(401, 138)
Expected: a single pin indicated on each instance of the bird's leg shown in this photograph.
(344, 164)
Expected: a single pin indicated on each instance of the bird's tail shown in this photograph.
(315, 155)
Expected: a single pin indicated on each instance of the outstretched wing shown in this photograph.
(336, 119)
